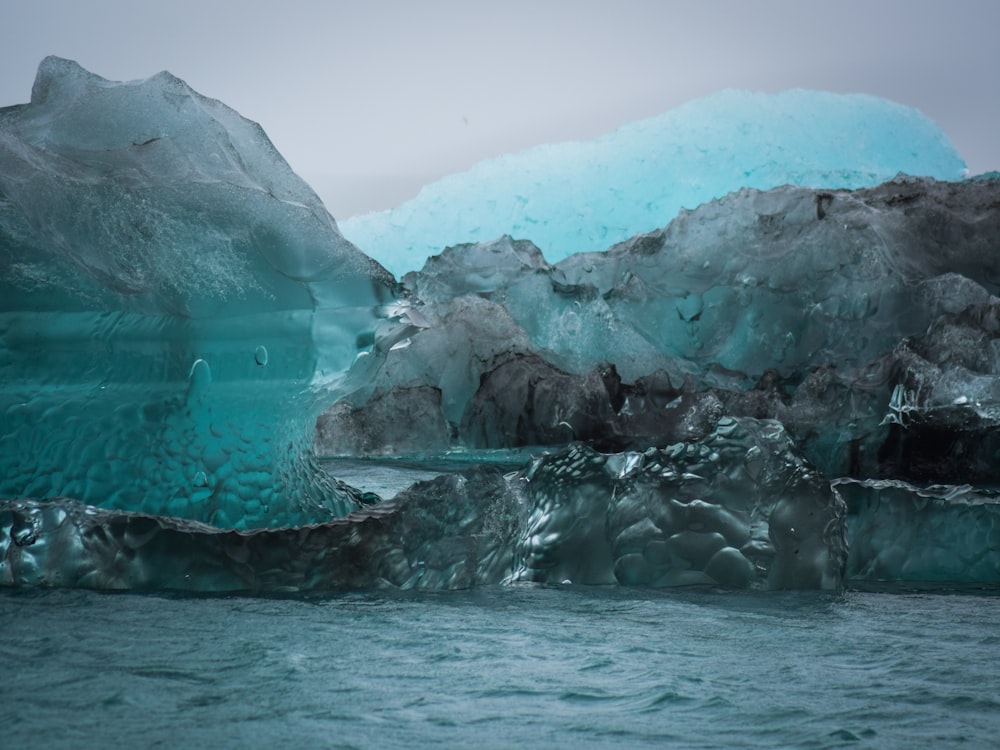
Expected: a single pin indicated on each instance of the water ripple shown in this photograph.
(553, 667)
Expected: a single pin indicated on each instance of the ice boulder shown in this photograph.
(584, 196)
(172, 299)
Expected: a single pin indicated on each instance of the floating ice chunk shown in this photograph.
(171, 295)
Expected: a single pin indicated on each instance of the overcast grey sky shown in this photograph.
(369, 100)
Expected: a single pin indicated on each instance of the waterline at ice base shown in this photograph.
(751, 344)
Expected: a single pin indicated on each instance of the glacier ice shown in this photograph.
(148, 197)
(794, 304)
(739, 508)
(944, 407)
(921, 533)
(864, 321)
(583, 196)
(727, 399)
(756, 280)
(172, 299)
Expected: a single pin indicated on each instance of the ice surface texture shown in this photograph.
(936, 533)
(576, 197)
(865, 321)
(170, 291)
(176, 309)
(148, 197)
(738, 509)
(811, 307)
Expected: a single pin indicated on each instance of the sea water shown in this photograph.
(518, 666)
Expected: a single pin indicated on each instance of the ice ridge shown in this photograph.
(584, 196)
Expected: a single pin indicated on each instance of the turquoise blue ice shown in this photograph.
(583, 196)
(177, 308)
(172, 297)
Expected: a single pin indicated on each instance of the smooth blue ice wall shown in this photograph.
(583, 196)
(176, 307)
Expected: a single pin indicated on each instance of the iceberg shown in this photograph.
(782, 386)
(807, 306)
(583, 196)
(921, 533)
(173, 300)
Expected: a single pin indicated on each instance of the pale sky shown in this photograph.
(370, 100)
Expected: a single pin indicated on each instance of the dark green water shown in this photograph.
(501, 667)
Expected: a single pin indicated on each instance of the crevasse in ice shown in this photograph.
(583, 196)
